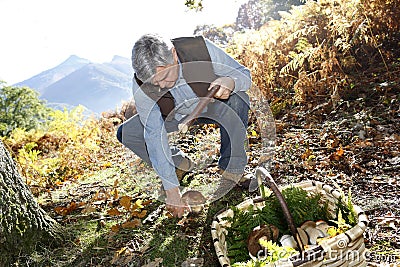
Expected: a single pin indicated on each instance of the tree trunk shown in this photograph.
(23, 223)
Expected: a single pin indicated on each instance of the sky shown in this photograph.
(37, 35)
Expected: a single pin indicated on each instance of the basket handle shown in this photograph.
(263, 174)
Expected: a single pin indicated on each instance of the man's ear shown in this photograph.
(174, 55)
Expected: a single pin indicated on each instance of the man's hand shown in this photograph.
(227, 84)
(174, 203)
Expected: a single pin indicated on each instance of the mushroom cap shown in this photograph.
(194, 199)
(288, 241)
(308, 224)
(266, 232)
(313, 235)
(323, 226)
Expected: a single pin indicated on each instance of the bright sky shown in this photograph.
(37, 35)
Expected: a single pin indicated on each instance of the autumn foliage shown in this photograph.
(69, 146)
(317, 50)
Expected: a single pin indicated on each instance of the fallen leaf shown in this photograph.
(125, 202)
(66, 210)
(107, 165)
(114, 193)
(147, 202)
(117, 255)
(306, 154)
(140, 215)
(114, 212)
(88, 209)
(115, 228)
(138, 204)
(337, 154)
(131, 224)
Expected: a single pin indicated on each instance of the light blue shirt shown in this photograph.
(155, 134)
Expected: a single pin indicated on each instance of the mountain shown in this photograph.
(98, 87)
(40, 81)
(122, 64)
(77, 81)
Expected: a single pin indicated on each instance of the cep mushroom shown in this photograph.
(265, 232)
(309, 232)
(195, 200)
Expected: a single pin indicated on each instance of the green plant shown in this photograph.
(274, 252)
(345, 209)
(20, 107)
(242, 223)
(65, 148)
(302, 205)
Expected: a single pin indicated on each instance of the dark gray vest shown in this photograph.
(198, 72)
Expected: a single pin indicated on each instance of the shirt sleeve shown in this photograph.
(224, 65)
(155, 136)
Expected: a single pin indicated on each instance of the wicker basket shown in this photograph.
(346, 249)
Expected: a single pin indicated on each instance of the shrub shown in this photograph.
(20, 107)
(314, 50)
(64, 149)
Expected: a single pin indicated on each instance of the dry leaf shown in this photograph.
(131, 224)
(107, 165)
(117, 255)
(337, 154)
(88, 209)
(125, 202)
(115, 194)
(147, 202)
(66, 210)
(115, 228)
(141, 214)
(138, 204)
(306, 154)
(114, 212)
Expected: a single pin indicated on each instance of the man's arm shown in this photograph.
(156, 139)
(155, 136)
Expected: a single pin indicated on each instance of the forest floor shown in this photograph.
(111, 217)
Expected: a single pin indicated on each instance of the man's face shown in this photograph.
(166, 76)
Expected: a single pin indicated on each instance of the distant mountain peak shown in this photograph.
(78, 81)
(119, 58)
(73, 59)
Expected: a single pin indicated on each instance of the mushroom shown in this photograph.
(309, 233)
(302, 237)
(288, 241)
(308, 224)
(195, 200)
(265, 232)
(323, 226)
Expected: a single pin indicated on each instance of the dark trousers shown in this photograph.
(230, 115)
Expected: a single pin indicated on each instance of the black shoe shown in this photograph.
(186, 166)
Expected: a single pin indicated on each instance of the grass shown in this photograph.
(92, 241)
(91, 238)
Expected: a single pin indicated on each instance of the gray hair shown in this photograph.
(148, 52)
